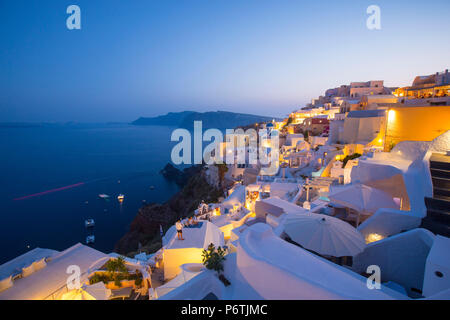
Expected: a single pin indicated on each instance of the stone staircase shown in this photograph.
(438, 207)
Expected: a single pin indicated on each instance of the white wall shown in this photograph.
(289, 272)
(197, 288)
(174, 258)
(401, 258)
(387, 222)
(411, 159)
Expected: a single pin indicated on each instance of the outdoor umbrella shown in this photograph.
(324, 235)
(363, 199)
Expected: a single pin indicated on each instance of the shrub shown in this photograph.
(138, 281)
(306, 135)
(99, 277)
(350, 157)
(213, 259)
(117, 281)
(116, 265)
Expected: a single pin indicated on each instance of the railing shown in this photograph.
(83, 277)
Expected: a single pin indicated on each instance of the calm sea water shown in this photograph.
(110, 159)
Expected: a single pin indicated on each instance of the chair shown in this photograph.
(38, 265)
(152, 294)
(6, 283)
(27, 271)
(123, 293)
(352, 217)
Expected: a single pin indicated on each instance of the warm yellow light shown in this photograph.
(374, 237)
(391, 115)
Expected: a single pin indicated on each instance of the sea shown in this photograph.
(52, 175)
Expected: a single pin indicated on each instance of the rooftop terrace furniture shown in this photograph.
(14, 267)
(16, 274)
(27, 271)
(49, 282)
(324, 235)
(40, 264)
(6, 283)
(123, 293)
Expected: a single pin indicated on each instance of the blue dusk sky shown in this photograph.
(147, 57)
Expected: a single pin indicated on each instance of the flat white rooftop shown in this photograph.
(15, 266)
(43, 283)
(195, 237)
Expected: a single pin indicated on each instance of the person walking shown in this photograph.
(179, 227)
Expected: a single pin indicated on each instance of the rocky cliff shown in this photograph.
(144, 229)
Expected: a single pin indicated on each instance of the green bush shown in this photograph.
(117, 281)
(116, 265)
(99, 277)
(350, 157)
(213, 259)
(116, 276)
(138, 281)
(306, 135)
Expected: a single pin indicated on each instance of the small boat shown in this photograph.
(120, 197)
(152, 187)
(90, 239)
(103, 196)
(89, 223)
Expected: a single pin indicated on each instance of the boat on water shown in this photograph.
(152, 187)
(120, 197)
(90, 239)
(103, 196)
(89, 223)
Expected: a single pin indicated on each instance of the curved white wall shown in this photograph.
(387, 222)
(277, 269)
(197, 288)
(401, 258)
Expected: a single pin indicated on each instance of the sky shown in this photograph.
(147, 57)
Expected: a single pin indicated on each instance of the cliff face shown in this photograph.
(180, 177)
(145, 227)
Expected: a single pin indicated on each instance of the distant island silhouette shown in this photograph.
(213, 119)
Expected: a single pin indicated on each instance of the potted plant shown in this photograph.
(213, 260)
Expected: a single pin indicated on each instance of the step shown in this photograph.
(441, 183)
(441, 204)
(443, 198)
(439, 216)
(439, 173)
(440, 165)
(436, 227)
(441, 192)
(440, 161)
